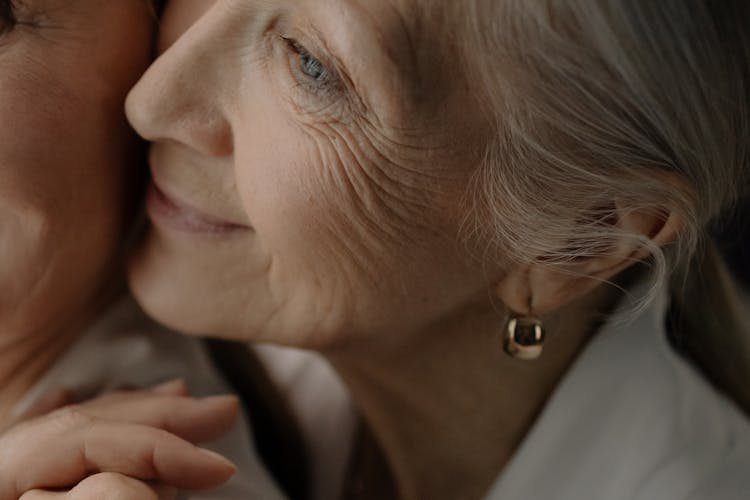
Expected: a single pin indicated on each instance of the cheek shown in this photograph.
(308, 202)
(45, 168)
(25, 250)
(40, 154)
(65, 150)
(63, 159)
(332, 179)
(107, 63)
(362, 237)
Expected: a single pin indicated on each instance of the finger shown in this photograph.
(112, 486)
(197, 420)
(155, 455)
(108, 486)
(58, 398)
(176, 387)
(43, 495)
(87, 445)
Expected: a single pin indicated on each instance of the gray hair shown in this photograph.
(600, 100)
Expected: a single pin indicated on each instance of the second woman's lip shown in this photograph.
(179, 215)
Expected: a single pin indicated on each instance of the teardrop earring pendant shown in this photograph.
(524, 338)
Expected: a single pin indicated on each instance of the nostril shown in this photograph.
(214, 136)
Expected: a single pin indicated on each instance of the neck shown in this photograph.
(448, 402)
(23, 361)
(27, 354)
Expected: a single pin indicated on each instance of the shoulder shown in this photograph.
(633, 420)
(705, 437)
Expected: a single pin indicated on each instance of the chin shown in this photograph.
(191, 287)
(169, 307)
(164, 291)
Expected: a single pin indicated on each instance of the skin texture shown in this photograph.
(65, 68)
(310, 161)
(67, 158)
(350, 212)
(116, 442)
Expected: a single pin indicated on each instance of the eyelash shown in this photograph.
(309, 72)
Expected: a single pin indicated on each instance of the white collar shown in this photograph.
(632, 420)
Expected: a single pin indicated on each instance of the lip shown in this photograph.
(164, 209)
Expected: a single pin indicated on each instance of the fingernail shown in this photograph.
(218, 459)
(221, 399)
(176, 386)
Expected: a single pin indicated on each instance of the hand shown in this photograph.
(109, 486)
(132, 437)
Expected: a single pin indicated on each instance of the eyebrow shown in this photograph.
(399, 28)
(365, 25)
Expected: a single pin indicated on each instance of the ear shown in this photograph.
(541, 288)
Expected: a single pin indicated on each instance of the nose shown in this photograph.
(180, 97)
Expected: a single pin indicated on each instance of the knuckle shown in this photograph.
(160, 435)
(70, 417)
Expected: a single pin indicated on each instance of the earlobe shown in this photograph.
(514, 290)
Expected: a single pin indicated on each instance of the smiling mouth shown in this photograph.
(165, 210)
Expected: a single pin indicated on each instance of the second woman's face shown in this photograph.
(65, 152)
(309, 164)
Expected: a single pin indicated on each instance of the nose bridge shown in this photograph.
(179, 97)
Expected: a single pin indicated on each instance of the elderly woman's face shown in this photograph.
(309, 163)
(65, 69)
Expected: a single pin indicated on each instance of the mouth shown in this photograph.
(165, 210)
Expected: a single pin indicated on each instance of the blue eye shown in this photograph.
(312, 67)
(308, 64)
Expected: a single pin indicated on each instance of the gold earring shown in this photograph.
(524, 337)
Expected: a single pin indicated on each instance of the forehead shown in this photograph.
(396, 22)
(386, 15)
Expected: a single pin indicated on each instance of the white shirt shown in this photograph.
(126, 348)
(631, 420)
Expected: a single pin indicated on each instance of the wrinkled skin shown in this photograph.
(68, 161)
(313, 172)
